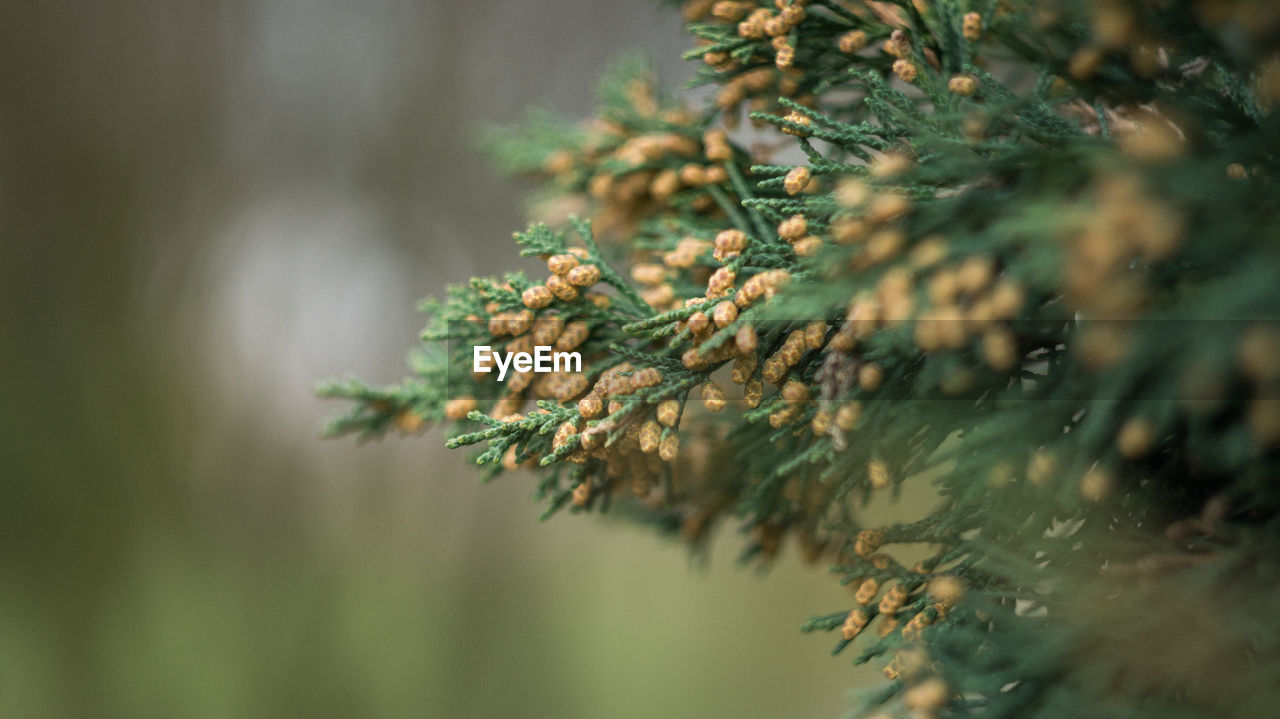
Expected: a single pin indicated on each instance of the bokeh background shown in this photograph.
(206, 207)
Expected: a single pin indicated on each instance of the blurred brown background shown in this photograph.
(205, 208)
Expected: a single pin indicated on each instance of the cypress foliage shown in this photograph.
(1024, 253)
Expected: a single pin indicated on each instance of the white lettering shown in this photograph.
(502, 366)
(543, 360)
(572, 361)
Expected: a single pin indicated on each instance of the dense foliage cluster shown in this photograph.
(1024, 252)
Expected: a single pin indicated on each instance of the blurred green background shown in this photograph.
(206, 207)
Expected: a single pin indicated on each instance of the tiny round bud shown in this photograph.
(786, 56)
(884, 245)
(815, 334)
(867, 542)
(650, 434)
(807, 246)
(752, 290)
(668, 412)
(520, 322)
(890, 164)
(893, 599)
(698, 323)
(752, 28)
(975, 273)
(574, 334)
(742, 369)
(558, 162)
(782, 416)
(1000, 348)
(561, 288)
(593, 437)
(746, 340)
(693, 359)
(906, 70)
(854, 624)
(660, 296)
(669, 446)
(649, 273)
(561, 264)
(646, 377)
(591, 406)
(408, 421)
(509, 462)
(878, 474)
(797, 118)
(870, 377)
(1258, 352)
(1007, 298)
(963, 85)
(1096, 484)
(794, 391)
(928, 252)
(848, 415)
(1136, 437)
(797, 180)
(821, 422)
(1154, 139)
(852, 41)
(693, 174)
(867, 592)
(1041, 466)
(725, 313)
(946, 590)
(1085, 62)
(774, 280)
(897, 45)
(584, 275)
(498, 324)
(718, 149)
(677, 258)
(793, 228)
(730, 10)
(887, 206)
(848, 230)
(459, 407)
(928, 696)
(665, 184)
(971, 26)
(713, 397)
(774, 370)
(536, 297)
(730, 242)
(721, 282)
(564, 433)
(852, 192)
